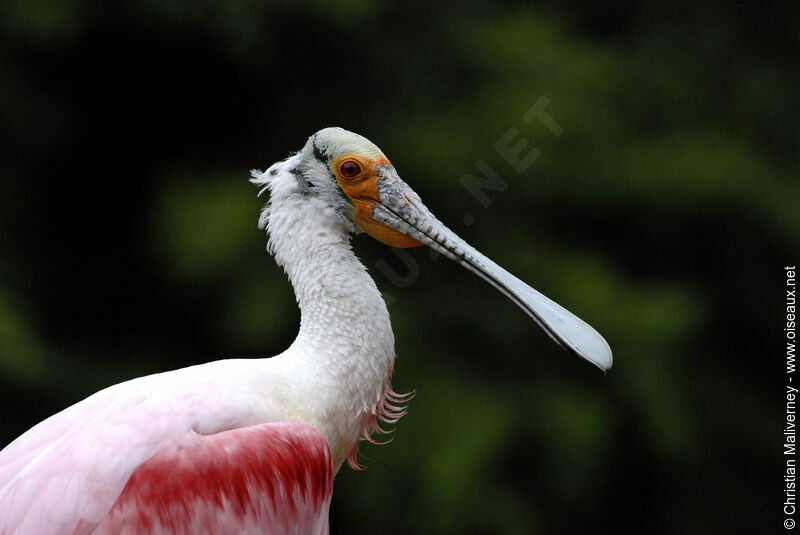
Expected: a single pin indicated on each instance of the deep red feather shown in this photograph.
(271, 478)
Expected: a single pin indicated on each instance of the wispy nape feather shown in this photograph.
(261, 178)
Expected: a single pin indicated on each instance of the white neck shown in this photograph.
(343, 356)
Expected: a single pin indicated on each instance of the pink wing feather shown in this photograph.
(271, 478)
(274, 478)
(168, 453)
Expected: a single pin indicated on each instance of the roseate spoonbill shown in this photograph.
(252, 445)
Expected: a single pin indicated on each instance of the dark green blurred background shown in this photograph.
(663, 215)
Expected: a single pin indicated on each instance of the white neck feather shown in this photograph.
(344, 352)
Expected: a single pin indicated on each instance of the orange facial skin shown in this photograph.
(363, 191)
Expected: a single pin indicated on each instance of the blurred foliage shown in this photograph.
(663, 215)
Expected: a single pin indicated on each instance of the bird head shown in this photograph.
(358, 183)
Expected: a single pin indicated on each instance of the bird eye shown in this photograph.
(350, 169)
